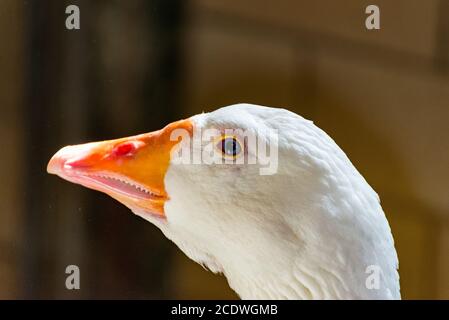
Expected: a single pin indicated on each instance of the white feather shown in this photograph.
(307, 232)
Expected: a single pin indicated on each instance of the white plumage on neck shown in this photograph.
(310, 231)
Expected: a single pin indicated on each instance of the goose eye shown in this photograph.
(229, 146)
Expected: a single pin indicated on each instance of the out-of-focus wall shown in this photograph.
(382, 95)
(11, 86)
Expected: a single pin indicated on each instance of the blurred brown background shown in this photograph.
(136, 65)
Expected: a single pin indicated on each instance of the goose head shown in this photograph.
(259, 194)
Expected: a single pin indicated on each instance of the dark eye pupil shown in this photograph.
(230, 146)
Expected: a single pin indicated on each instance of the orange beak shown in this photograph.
(131, 169)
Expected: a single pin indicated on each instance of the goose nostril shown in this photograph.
(125, 148)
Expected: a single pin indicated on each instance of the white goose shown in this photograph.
(314, 229)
